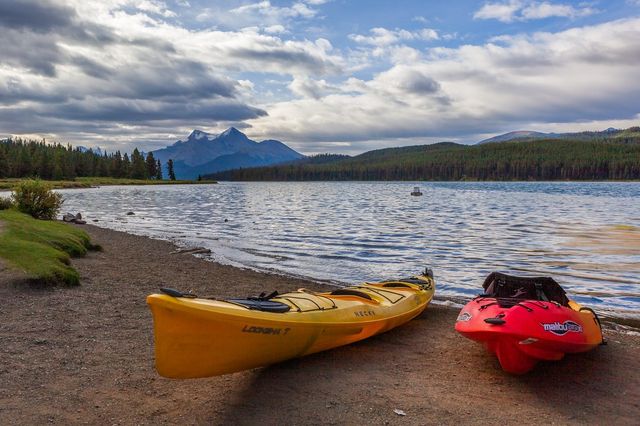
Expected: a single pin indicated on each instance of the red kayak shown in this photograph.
(523, 320)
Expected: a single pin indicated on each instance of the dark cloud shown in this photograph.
(39, 16)
(131, 111)
(13, 91)
(176, 78)
(101, 125)
(35, 52)
(31, 33)
(91, 67)
(285, 58)
(419, 84)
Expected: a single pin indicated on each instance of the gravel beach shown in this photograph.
(84, 355)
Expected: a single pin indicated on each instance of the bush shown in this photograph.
(36, 198)
(5, 203)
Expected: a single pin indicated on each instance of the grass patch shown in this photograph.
(41, 248)
(88, 182)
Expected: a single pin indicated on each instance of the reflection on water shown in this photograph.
(584, 234)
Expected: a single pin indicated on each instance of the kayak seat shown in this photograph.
(262, 305)
(349, 292)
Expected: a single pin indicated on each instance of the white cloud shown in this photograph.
(525, 10)
(275, 29)
(268, 11)
(156, 7)
(504, 12)
(574, 76)
(384, 37)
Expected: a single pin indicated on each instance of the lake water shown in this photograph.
(586, 235)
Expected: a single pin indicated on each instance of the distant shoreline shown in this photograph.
(93, 182)
(85, 183)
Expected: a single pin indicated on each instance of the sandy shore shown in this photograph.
(85, 355)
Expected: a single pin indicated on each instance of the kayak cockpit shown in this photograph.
(507, 288)
(262, 305)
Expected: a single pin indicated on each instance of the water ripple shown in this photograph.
(353, 231)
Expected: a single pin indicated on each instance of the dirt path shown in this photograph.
(85, 355)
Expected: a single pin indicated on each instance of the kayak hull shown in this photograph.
(202, 337)
(530, 331)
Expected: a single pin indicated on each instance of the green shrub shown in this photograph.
(5, 203)
(36, 198)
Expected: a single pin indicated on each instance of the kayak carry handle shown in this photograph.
(495, 321)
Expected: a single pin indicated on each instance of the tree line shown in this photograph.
(28, 158)
(553, 159)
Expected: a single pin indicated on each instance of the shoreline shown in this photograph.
(7, 184)
(611, 319)
(85, 355)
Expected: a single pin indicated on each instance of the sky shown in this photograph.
(339, 76)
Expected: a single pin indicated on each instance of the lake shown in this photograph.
(586, 235)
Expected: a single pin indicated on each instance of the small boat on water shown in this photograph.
(523, 320)
(202, 337)
(416, 191)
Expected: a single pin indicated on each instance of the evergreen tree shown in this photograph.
(126, 165)
(151, 166)
(117, 165)
(561, 159)
(158, 170)
(138, 165)
(172, 175)
(4, 164)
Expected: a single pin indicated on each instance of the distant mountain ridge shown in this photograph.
(609, 155)
(204, 152)
(529, 135)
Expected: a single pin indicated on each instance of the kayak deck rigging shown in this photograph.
(201, 337)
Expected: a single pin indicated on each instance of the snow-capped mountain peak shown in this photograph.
(203, 153)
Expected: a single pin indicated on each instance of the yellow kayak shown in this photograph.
(198, 337)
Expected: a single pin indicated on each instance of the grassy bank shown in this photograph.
(40, 248)
(88, 182)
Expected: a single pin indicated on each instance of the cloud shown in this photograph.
(459, 92)
(35, 15)
(157, 7)
(308, 88)
(275, 29)
(385, 37)
(118, 72)
(262, 13)
(93, 67)
(525, 10)
(119, 67)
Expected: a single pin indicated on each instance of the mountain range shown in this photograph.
(608, 155)
(203, 153)
(528, 135)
